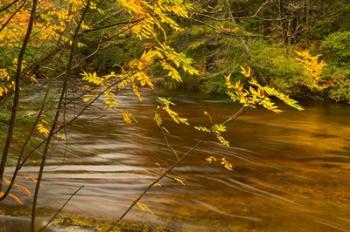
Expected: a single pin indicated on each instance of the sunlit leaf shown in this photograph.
(144, 207)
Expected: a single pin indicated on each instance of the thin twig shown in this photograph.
(112, 25)
(168, 144)
(17, 77)
(18, 166)
(82, 111)
(9, 5)
(157, 180)
(61, 208)
(12, 15)
(171, 168)
(55, 120)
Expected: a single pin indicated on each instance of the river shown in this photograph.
(291, 171)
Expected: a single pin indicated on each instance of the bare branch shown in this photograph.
(9, 5)
(18, 166)
(61, 208)
(12, 15)
(112, 25)
(55, 120)
(17, 78)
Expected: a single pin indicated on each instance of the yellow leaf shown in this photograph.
(33, 79)
(92, 78)
(247, 72)
(61, 136)
(144, 207)
(42, 128)
(202, 128)
(175, 116)
(157, 118)
(313, 69)
(211, 159)
(180, 180)
(109, 100)
(226, 164)
(128, 117)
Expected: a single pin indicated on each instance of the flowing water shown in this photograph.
(291, 170)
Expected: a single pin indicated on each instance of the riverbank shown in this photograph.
(17, 219)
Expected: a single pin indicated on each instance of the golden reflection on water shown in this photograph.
(291, 171)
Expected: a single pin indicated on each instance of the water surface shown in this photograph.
(291, 170)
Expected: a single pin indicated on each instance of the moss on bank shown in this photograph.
(72, 222)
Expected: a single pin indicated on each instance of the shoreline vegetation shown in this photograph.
(299, 48)
(15, 220)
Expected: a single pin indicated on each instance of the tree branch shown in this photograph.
(61, 208)
(17, 78)
(171, 168)
(18, 166)
(55, 120)
(9, 5)
(12, 15)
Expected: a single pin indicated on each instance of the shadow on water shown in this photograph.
(291, 171)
